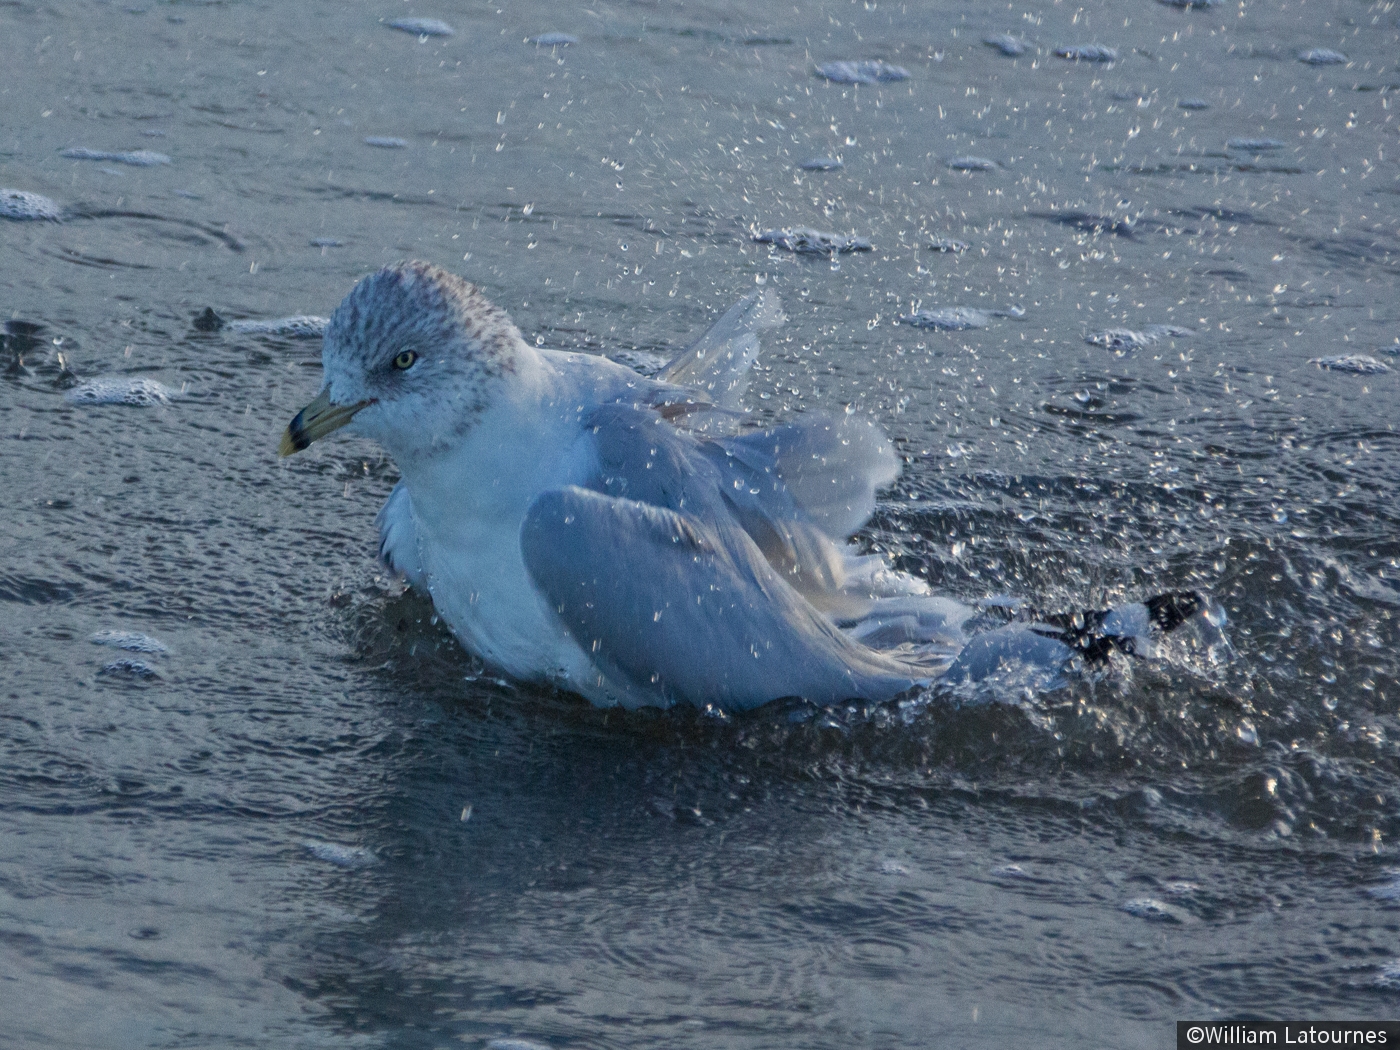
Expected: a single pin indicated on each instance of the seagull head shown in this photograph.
(413, 357)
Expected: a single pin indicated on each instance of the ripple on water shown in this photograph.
(1322, 56)
(1008, 45)
(872, 71)
(822, 164)
(553, 40)
(1153, 910)
(422, 26)
(141, 158)
(140, 392)
(385, 142)
(956, 318)
(1387, 891)
(1255, 145)
(973, 164)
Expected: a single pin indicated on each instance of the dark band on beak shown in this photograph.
(296, 438)
(315, 421)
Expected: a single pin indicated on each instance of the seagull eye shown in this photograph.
(405, 359)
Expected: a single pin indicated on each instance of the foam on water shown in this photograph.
(1155, 911)
(117, 391)
(422, 26)
(23, 205)
(1008, 45)
(132, 641)
(807, 241)
(1088, 53)
(1322, 56)
(141, 158)
(340, 855)
(128, 668)
(1131, 339)
(871, 71)
(1356, 364)
(973, 164)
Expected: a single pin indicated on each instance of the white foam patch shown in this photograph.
(340, 856)
(142, 392)
(23, 205)
(1356, 364)
(302, 326)
(131, 641)
(140, 158)
(1153, 910)
(422, 26)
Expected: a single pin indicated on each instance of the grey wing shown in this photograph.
(689, 609)
(717, 364)
(829, 468)
(745, 482)
(398, 538)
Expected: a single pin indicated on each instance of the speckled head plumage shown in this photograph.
(421, 352)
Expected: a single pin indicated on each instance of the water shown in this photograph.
(262, 841)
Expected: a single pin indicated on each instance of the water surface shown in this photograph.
(263, 839)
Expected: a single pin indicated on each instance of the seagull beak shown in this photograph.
(315, 421)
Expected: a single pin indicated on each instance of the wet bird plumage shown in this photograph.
(625, 538)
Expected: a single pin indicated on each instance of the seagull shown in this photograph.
(634, 539)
